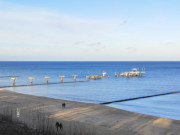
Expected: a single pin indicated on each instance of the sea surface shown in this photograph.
(160, 77)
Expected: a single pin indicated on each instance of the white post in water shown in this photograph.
(104, 73)
(13, 81)
(31, 79)
(115, 74)
(61, 76)
(74, 77)
(47, 79)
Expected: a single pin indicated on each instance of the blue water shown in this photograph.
(160, 77)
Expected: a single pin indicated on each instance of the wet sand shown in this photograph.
(106, 120)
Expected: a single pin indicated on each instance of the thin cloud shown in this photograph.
(101, 48)
(171, 43)
(79, 43)
(131, 48)
(94, 44)
(123, 23)
(40, 27)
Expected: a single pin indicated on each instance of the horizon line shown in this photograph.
(93, 61)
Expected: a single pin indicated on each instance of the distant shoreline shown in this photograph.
(106, 120)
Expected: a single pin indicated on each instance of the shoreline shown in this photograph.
(107, 120)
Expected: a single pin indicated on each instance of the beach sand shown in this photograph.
(106, 120)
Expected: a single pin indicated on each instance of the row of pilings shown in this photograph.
(46, 77)
(133, 73)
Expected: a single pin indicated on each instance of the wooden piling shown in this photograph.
(74, 77)
(61, 76)
(47, 79)
(115, 74)
(31, 80)
(13, 81)
(88, 77)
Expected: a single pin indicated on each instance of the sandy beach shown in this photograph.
(106, 120)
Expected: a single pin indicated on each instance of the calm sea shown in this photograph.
(160, 77)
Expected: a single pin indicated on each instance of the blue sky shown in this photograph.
(89, 30)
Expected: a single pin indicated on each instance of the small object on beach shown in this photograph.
(18, 113)
(63, 105)
(61, 76)
(31, 79)
(74, 77)
(13, 81)
(47, 77)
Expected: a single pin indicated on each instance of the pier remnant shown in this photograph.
(47, 79)
(13, 78)
(74, 77)
(61, 76)
(94, 77)
(31, 80)
(122, 74)
(88, 77)
(116, 74)
(133, 73)
(127, 74)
